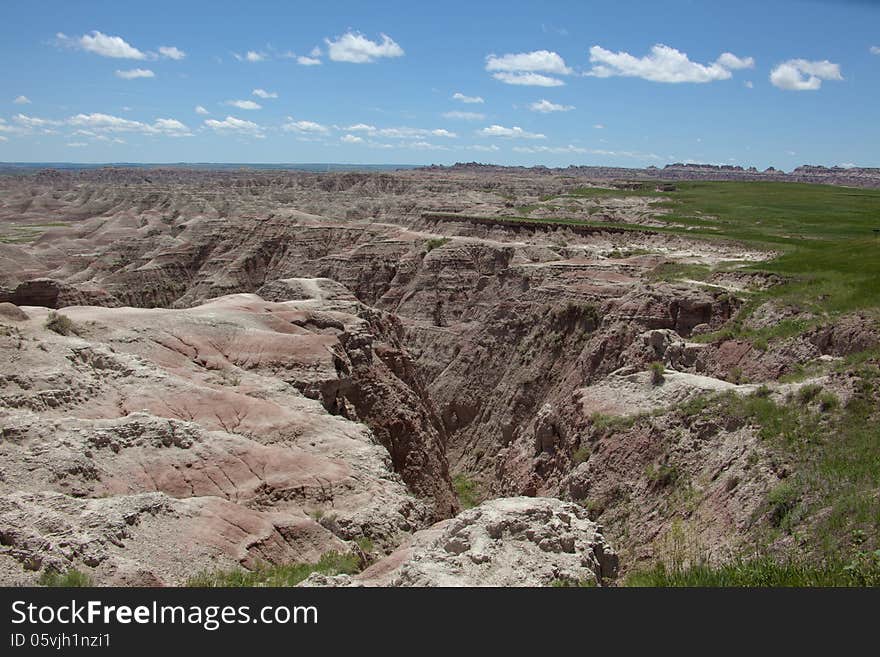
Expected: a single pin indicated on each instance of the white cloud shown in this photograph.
(262, 93)
(171, 52)
(730, 61)
(98, 123)
(103, 45)
(32, 122)
(803, 75)
(538, 61)
(304, 127)
(528, 79)
(302, 60)
(875, 50)
(351, 139)
(748, 84)
(316, 52)
(467, 99)
(464, 116)
(514, 132)
(2, 138)
(250, 56)
(664, 64)
(76, 144)
(545, 106)
(244, 104)
(599, 126)
(134, 73)
(233, 125)
(528, 68)
(201, 110)
(400, 132)
(483, 148)
(357, 49)
(571, 148)
(22, 100)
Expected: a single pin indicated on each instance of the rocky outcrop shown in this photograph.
(519, 541)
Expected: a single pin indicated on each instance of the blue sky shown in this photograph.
(555, 83)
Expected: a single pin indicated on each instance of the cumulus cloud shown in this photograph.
(32, 122)
(76, 144)
(134, 73)
(2, 138)
(351, 139)
(233, 125)
(664, 64)
(490, 148)
(748, 84)
(545, 106)
(355, 48)
(304, 127)
(598, 126)
(514, 132)
(244, 104)
(528, 68)
(302, 60)
(875, 50)
(250, 56)
(201, 110)
(106, 123)
(103, 45)
(803, 75)
(467, 99)
(400, 132)
(464, 116)
(262, 93)
(171, 52)
(528, 79)
(22, 100)
(538, 61)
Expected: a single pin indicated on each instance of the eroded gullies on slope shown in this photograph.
(312, 357)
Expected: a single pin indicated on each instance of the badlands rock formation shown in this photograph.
(515, 541)
(254, 367)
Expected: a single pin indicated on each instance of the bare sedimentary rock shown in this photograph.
(516, 541)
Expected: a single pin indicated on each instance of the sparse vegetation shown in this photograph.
(61, 324)
(72, 577)
(265, 575)
(581, 454)
(435, 243)
(863, 570)
(467, 490)
(657, 369)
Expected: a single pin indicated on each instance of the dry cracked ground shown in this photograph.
(206, 371)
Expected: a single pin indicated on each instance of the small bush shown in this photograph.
(808, 393)
(782, 500)
(435, 243)
(61, 324)
(662, 475)
(467, 491)
(72, 577)
(657, 370)
(581, 454)
(828, 402)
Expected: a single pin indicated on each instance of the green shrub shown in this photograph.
(435, 243)
(72, 577)
(662, 475)
(467, 491)
(782, 500)
(581, 454)
(657, 371)
(61, 324)
(808, 393)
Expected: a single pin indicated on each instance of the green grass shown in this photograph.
(72, 577)
(435, 243)
(834, 451)
(61, 324)
(467, 489)
(331, 563)
(863, 570)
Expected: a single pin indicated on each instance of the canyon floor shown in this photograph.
(448, 376)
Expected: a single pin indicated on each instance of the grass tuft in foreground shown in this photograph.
(72, 577)
(332, 563)
(864, 570)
